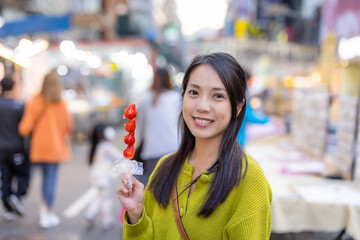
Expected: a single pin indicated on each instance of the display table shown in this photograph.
(305, 202)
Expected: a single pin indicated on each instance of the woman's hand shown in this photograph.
(131, 196)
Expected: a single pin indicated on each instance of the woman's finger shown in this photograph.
(128, 180)
(123, 190)
(136, 183)
(124, 179)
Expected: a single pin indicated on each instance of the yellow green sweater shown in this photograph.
(245, 214)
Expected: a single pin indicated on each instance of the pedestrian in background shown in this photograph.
(47, 119)
(102, 155)
(14, 161)
(209, 188)
(157, 121)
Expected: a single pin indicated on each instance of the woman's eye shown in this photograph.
(193, 92)
(217, 95)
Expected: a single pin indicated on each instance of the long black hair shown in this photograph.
(97, 135)
(228, 169)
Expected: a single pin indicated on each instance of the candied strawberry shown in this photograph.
(130, 125)
(130, 138)
(129, 152)
(130, 112)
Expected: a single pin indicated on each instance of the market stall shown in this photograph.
(303, 200)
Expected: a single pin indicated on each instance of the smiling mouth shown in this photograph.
(203, 121)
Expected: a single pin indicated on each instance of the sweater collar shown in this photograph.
(188, 170)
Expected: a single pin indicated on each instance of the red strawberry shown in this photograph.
(130, 138)
(130, 112)
(130, 125)
(129, 152)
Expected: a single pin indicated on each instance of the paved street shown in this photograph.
(73, 191)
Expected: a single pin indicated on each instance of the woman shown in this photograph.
(221, 192)
(47, 119)
(157, 122)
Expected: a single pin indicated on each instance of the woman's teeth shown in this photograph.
(203, 121)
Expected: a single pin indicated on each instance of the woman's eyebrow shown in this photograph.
(215, 88)
(194, 85)
(219, 89)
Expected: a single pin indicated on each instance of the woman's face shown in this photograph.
(206, 104)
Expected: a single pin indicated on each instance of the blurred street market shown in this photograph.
(303, 61)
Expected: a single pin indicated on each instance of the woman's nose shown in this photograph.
(204, 105)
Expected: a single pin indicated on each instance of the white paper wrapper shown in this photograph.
(126, 166)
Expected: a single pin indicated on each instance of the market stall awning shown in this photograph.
(36, 24)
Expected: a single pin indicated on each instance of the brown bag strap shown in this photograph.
(177, 215)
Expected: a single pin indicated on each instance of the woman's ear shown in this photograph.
(239, 107)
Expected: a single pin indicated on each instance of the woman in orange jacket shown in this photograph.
(48, 121)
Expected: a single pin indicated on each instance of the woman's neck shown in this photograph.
(205, 154)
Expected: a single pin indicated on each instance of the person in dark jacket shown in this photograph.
(14, 160)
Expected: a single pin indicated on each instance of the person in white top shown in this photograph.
(157, 122)
(103, 153)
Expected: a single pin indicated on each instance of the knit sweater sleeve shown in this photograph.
(142, 230)
(252, 214)
(256, 226)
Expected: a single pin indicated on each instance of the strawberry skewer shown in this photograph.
(130, 126)
(125, 165)
(130, 113)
